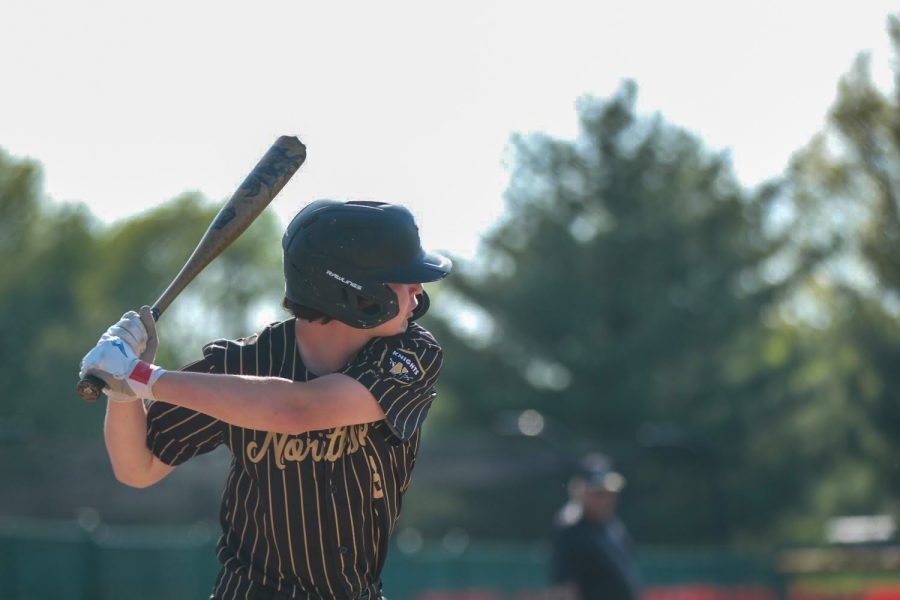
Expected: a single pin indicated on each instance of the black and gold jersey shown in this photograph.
(309, 515)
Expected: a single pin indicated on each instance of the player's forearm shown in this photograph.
(262, 403)
(125, 433)
(271, 403)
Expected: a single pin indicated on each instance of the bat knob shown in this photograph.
(90, 388)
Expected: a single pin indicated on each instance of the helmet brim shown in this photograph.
(428, 266)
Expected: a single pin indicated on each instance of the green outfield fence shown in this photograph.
(44, 559)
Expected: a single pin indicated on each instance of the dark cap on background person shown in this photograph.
(595, 473)
(606, 481)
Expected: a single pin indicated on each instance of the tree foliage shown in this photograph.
(733, 350)
(846, 186)
(625, 297)
(66, 278)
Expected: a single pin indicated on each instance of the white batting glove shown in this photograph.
(138, 331)
(130, 330)
(125, 374)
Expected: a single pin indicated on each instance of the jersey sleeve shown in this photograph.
(401, 372)
(176, 434)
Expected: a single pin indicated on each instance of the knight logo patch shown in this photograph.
(403, 367)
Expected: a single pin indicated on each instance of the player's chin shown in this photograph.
(403, 324)
(396, 326)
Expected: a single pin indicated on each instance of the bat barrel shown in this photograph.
(263, 183)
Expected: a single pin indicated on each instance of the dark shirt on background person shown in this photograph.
(593, 555)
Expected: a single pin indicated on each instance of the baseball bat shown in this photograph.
(256, 192)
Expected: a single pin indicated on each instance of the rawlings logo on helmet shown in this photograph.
(343, 279)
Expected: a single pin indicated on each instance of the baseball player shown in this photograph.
(322, 412)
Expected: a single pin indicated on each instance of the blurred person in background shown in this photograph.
(592, 553)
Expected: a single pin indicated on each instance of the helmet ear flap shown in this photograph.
(423, 305)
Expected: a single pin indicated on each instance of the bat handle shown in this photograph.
(91, 387)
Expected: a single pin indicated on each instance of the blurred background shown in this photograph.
(676, 240)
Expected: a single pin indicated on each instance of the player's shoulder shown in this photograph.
(224, 354)
(270, 333)
(415, 340)
(406, 358)
(415, 336)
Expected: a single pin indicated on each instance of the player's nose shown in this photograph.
(414, 291)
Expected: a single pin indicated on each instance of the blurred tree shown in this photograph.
(66, 277)
(141, 255)
(846, 190)
(45, 248)
(625, 296)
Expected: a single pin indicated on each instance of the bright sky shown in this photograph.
(129, 104)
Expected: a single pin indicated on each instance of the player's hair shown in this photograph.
(305, 313)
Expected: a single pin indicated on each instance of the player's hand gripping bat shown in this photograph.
(259, 188)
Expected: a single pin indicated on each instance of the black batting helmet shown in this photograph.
(338, 256)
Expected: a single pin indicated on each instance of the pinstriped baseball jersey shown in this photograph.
(309, 515)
